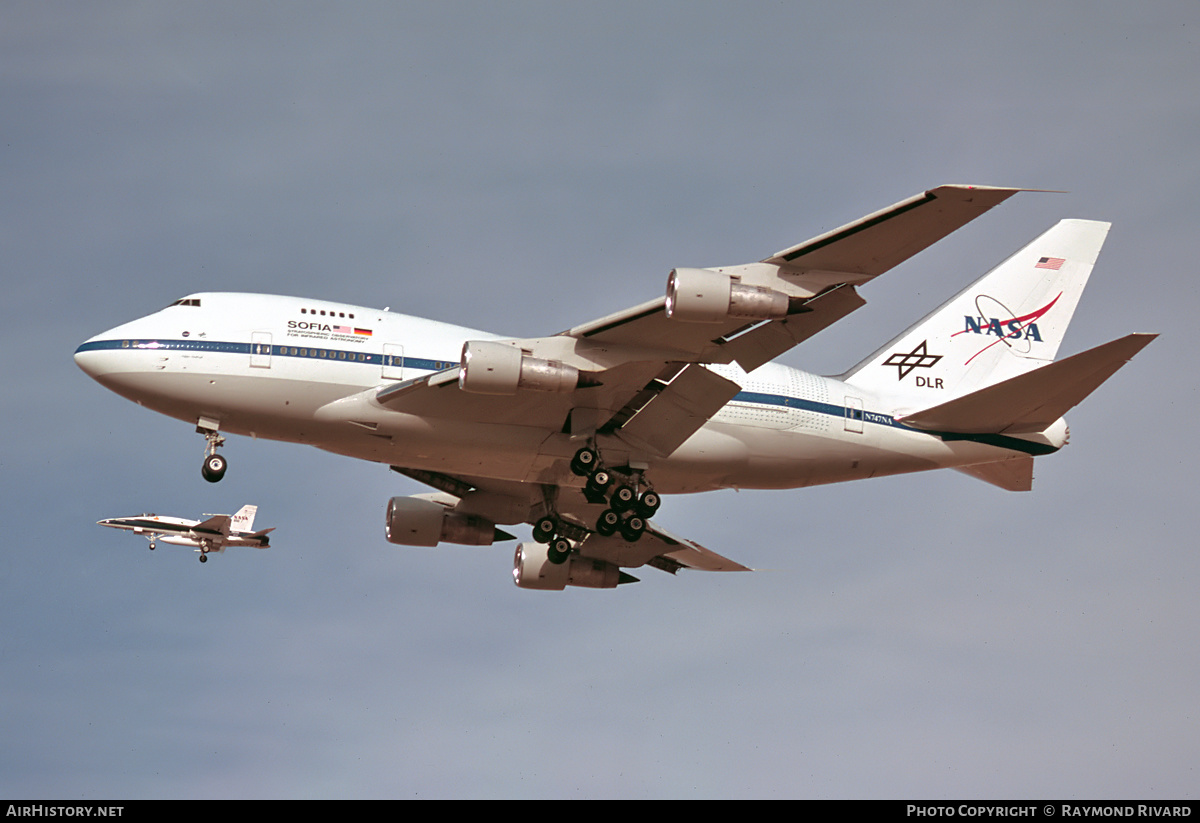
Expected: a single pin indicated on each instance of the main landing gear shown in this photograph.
(627, 510)
(545, 530)
(214, 466)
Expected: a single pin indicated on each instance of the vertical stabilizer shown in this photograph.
(1009, 322)
(243, 521)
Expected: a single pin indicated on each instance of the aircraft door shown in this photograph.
(393, 361)
(260, 349)
(854, 415)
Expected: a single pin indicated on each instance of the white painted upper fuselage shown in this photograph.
(301, 370)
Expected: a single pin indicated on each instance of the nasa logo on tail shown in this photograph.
(1018, 333)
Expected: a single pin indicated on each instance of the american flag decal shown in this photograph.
(1052, 263)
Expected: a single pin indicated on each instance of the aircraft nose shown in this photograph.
(104, 356)
(94, 356)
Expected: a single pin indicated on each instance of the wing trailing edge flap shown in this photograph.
(674, 414)
(763, 343)
(1030, 402)
(393, 391)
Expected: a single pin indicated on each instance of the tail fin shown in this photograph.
(243, 521)
(1007, 323)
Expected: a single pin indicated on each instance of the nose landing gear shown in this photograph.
(214, 466)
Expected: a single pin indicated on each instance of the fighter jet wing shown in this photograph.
(218, 524)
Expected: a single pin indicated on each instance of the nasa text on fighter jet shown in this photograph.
(205, 536)
(579, 433)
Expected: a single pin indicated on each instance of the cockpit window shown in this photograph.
(186, 301)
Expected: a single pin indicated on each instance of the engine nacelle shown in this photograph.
(532, 569)
(498, 368)
(705, 296)
(414, 521)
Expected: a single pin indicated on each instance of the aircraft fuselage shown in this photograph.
(300, 370)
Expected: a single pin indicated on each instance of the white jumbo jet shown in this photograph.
(579, 433)
(205, 536)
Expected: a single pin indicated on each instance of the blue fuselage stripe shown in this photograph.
(428, 365)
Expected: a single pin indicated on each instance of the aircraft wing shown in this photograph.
(850, 255)
(638, 374)
(507, 501)
(218, 524)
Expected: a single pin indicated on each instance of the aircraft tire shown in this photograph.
(214, 468)
(648, 504)
(544, 529)
(203, 558)
(608, 523)
(633, 528)
(600, 480)
(623, 498)
(559, 551)
(584, 461)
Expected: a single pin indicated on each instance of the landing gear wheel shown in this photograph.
(544, 529)
(203, 558)
(214, 468)
(600, 480)
(623, 498)
(632, 528)
(151, 545)
(608, 523)
(558, 551)
(584, 461)
(648, 504)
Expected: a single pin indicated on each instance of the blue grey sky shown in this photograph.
(521, 168)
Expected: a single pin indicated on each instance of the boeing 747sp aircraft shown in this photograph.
(206, 536)
(579, 433)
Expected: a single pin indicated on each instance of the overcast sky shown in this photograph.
(521, 168)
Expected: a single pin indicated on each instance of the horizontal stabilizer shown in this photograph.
(1030, 402)
(1012, 475)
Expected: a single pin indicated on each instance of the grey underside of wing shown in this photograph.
(657, 547)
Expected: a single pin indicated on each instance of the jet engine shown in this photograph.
(415, 521)
(498, 368)
(532, 569)
(705, 296)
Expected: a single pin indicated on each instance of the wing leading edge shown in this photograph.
(622, 354)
